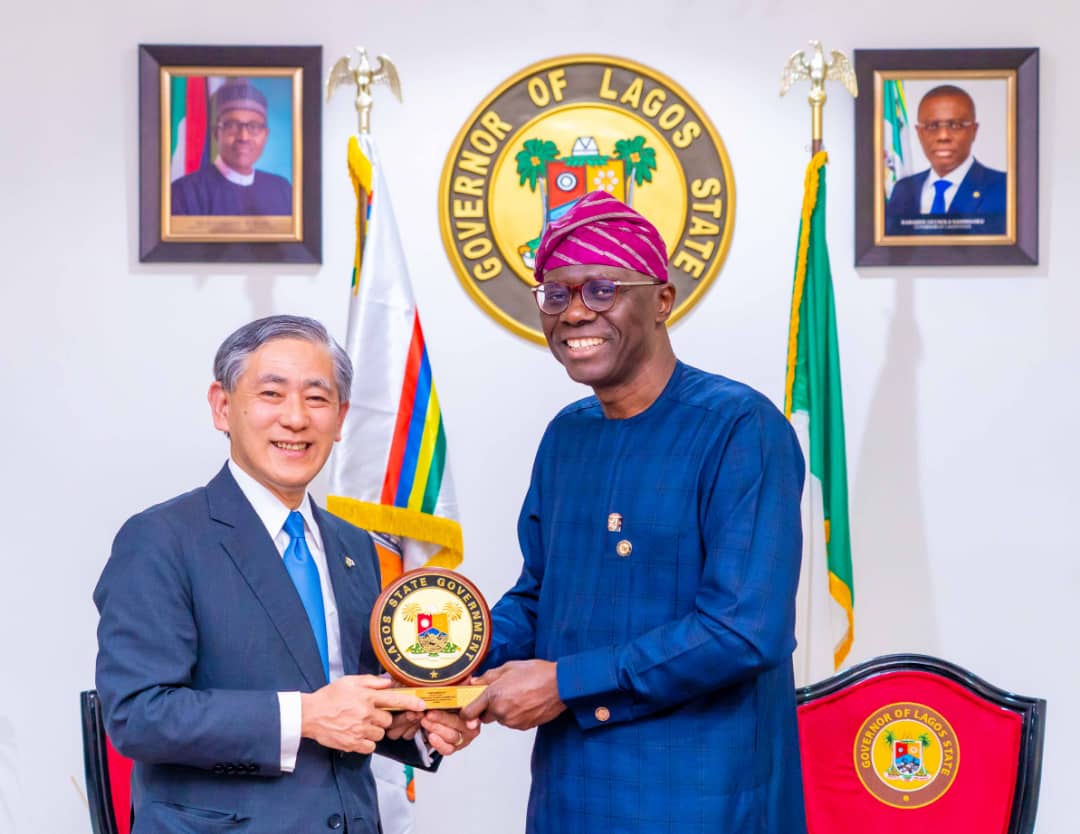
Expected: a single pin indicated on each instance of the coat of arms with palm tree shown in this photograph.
(907, 756)
(563, 180)
(433, 628)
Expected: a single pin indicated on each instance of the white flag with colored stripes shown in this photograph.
(390, 474)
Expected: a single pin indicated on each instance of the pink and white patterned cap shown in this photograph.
(604, 231)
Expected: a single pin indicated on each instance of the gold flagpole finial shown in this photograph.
(361, 73)
(818, 71)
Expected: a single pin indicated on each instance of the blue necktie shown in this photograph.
(940, 187)
(305, 576)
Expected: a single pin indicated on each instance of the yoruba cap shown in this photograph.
(239, 94)
(601, 230)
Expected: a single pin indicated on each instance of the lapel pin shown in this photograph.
(976, 195)
(614, 522)
(349, 563)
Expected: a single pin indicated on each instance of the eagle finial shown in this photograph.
(359, 71)
(815, 68)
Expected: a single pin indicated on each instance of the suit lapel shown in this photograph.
(251, 549)
(966, 202)
(916, 191)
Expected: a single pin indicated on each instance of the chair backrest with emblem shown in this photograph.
(908, 742)
(108, 774)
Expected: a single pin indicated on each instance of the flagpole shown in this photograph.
(358, 72)
(813, 402)
(394, 782)
(817, 70)
(363, 76)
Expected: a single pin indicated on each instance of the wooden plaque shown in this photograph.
(431, 629)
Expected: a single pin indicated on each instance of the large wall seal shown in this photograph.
(558, 130)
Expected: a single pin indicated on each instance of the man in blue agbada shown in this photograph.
(649, 636)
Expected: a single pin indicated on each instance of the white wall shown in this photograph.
(960, 384)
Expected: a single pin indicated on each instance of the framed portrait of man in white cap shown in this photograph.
(229, 145)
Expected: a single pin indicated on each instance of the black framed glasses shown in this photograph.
(950, 125)
(232, 126)
(598, 294)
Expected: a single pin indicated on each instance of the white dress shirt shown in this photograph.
(955, 177)
(273, 513)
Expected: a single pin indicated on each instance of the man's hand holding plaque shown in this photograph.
(520, 694)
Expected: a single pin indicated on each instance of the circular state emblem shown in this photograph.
(556, 131)
(430, 627)
(907, 755)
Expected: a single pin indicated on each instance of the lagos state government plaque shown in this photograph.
(430, 629)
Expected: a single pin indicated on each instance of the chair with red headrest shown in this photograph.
(908, 742)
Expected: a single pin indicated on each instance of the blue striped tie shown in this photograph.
(940, 187)
(305, 576)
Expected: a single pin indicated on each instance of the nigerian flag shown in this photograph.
(896, 134)
(813, 403)
(189, 117)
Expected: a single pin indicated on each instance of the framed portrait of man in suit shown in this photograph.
(229, 153)
(946, 159)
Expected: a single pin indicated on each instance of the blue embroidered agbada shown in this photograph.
(661, 559)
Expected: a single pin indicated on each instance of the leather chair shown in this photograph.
(907, 742)
(108, 774)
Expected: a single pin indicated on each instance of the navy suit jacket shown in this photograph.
(200, 628)
(981, 196)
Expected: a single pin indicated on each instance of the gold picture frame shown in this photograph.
(196, 201)
(992, 214)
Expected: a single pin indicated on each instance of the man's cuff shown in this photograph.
(291, 719)
(589, 687)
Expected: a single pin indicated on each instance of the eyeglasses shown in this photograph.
(598, 294)
(233, 126)
(950, 125)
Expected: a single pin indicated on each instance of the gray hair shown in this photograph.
(231, 358)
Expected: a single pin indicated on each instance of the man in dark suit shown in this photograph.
(956, 194)
(234, 662)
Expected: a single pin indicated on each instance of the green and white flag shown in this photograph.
(813, 403)
(896, 135)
